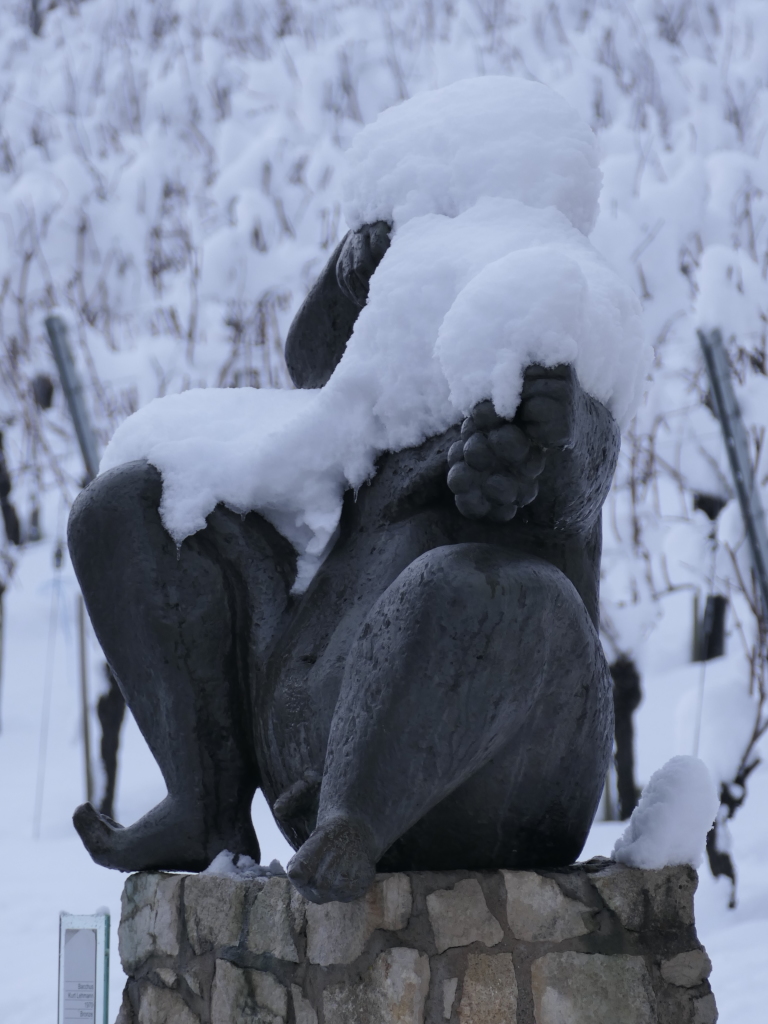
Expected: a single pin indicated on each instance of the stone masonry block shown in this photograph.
(687, 969)
(125, 1014)
(704, 1010)
(166, 975)
(449, 995)
(194, 976)
(538, 911)
(242, 996)
(269, 921)
(393, 991)
(490, 990)
(337, 933)
(460, 916)
(150, 921)
(163, 1006)
(303, 1010)
(213, 911)
(648, 899)
(589, 988)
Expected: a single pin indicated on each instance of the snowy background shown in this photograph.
(170, 182)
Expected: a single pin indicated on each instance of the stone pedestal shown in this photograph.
(597, 943)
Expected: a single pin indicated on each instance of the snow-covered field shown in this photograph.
(41, 876)
(170, 181)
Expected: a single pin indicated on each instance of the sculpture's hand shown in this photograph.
(494, 467)
(360, 255)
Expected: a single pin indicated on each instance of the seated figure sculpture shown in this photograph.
(437, 698)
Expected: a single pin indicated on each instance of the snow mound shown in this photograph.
(671, 821)
(226, 866)
(473, 289)
(495, 136)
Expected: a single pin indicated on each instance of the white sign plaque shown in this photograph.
(83, 968)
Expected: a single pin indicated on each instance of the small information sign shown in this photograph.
(83, 968)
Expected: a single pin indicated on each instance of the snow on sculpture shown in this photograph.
(491, 185)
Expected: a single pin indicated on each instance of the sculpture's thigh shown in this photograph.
(184, 629)
(126, 559)
(533, 801)
(306, 667)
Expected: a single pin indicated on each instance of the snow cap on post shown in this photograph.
(495, 136)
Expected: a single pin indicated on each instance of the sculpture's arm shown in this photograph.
(576, 479)
(555, 460)
(324, 323)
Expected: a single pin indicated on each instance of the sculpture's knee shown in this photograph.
(474, 576)
(481, 606)
(105, 513)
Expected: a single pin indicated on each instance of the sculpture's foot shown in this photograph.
(300, 798)
(337, 862)
(164, 839)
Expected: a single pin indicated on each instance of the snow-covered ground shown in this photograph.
(41, 876)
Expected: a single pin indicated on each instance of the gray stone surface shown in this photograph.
(598, 944)
(149, 924)
(704, 1010)
(213, 911)
(163, 1006)
(648, 899)
(538, 911)
(303, 1010)
(269, 921)
(167, 976)
(337, 933)
(242, 996)
(392, 992)
(460, 916)
(490, 990)
(125, 1014)
(588, 988)
(449, 996)
(194, 977)
(687, 969)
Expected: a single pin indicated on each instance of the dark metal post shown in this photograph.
(111, 711)
(2, 648)
(626, 699)
(737, 446)
(73, 392)
(748, 492)
(84, 698)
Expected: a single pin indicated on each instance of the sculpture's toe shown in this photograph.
(170, 837)
(337, 862)
(300, 798)
(96, 831)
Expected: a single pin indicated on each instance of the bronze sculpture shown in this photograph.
(438, 697)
